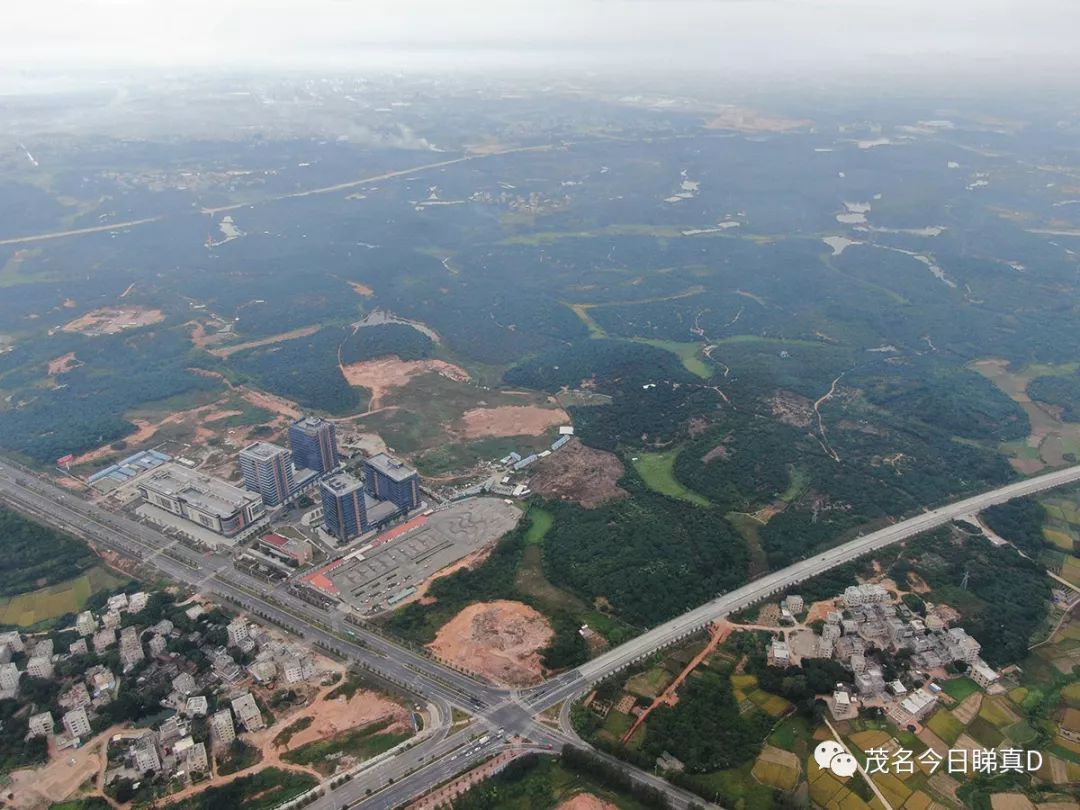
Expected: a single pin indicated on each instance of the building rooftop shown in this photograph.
(917, 701)
(342, 483)
(379, 510)
(263, 450)
(393, 468)
(309, 424)
(275, 540)
(211, 495)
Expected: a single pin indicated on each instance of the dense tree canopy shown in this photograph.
(399, 339)
(33, 556)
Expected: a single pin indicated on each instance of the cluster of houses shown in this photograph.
(867, 619)
(171, 748)
(274, 660)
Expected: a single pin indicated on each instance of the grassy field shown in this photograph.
(959, 688)
(945, 725)
(1062, 528)
(616, 724)
(540, 522)
(28, 609)
(649, 683)
(689, 353)
(777, 768)
(658, 471)
(750, 529)
(1050, 438)
(533, 582)
(737, 787)
(363, 743)
(996, 710)
(799, 480)
(772, 705)
(263, 790)
(595, 329)
(768, 340)
(531, 579)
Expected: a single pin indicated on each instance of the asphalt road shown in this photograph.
(439, 757)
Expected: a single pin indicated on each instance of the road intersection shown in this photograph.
(504, 720)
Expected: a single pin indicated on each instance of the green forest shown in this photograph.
(119, 372)
(34, 556)
(956, 401)
(370, 342)
(1007, 596)
(1061, 391)
(651, 557)
(1020, 522)
(705, 729)
(607, 363)
(303, 369)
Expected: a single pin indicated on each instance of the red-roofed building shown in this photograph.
(295, 550)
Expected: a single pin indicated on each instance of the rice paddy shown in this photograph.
(34, 607)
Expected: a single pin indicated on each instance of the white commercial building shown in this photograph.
(208, 502)
(871, 594)
(238, 632)
(12, 639)
(196, 758)
(983, 674)
(146, 754)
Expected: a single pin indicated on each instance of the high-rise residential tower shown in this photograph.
(268, 470)
(391, 479)
(344, 506)
(313, 441)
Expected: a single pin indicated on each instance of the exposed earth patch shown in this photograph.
(387, 374)
(499, 640)
(511, 420)
(581, 474)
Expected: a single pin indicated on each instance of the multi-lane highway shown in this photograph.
(505, 718)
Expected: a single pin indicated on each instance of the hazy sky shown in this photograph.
(620, 34)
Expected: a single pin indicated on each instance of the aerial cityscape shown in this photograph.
(544, 406)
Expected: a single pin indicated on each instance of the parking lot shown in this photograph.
(379, 579)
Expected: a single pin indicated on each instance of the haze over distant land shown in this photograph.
(766, 37)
